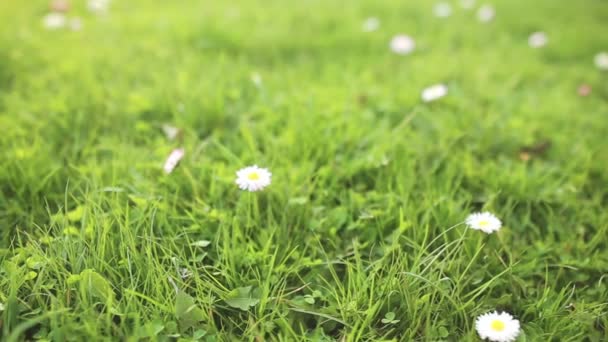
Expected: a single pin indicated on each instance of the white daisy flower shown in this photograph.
(601, 60)
(75, 24)
(173, 159)
(467, 4)
(434, 92)
(486, 13)
(486, 222)
(442, 10)
(537, 40)
(371, 24)
(402, 44)
(98, 6)
(256, 79)
(253, 178)
(498, 327)
(53, 21)
(171, 132)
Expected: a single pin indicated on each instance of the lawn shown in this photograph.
(361, 234)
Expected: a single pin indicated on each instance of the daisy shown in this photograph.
(486, 13)
(98, 6)
(173, 159)
(434, 92)
(371, 24)
(75, 24)
(53, 21)
(256, 79)
(601, 60)
(537, 40)
(171, 132)
(402, 44)
(486, 222)
(467, 4)
(253, 178)
(442, 10)
(498, 327)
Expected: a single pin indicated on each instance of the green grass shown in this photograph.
(368, 181)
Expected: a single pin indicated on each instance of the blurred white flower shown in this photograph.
(486, 222)
(75, 24)
(434, 92)
(53, 21)
(486, 13)
(171, 132)
(467, 4)
(402, 44)
(601, 60)
(537, 40)
(371, 24)
(253, 178)
(98, 6)
(498, 327)
(173, 159)
(442, 10)
(256, 79)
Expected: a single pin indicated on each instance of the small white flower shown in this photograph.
(98, 6)
(434, 92)
(253, 178)
(402, 44)
(467, 4)
(486, 222)
(171, 132)
(486, 13)
(53, 21)
(173, 159)
(442, 10)
(601, 60)
(371, 24)
(75, 24)
(256, 79)
(498, 327)
(537, 40)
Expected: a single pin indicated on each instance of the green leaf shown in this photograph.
(241, 298)
(443, 332)
(188, 313)
(198, 334)
(93, 284)
(73, 279)
(35, 262)
(297, 201)
(151, 329)
(76, 214)
(309, 299)
(389, 318)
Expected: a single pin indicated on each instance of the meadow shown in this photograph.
(361, 233)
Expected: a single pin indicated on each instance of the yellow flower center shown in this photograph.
(483, 223)
(497, 325)
(253, 176)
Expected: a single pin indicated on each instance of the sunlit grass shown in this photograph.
(361, 234)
